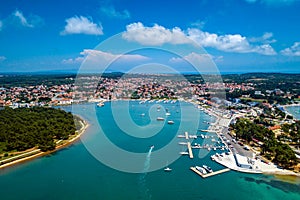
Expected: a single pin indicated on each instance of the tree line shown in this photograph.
(24, 128)
(278, 152)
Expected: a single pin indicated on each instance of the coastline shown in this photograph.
(221, 121)
(38, 153)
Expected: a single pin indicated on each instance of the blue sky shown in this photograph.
(238, 35)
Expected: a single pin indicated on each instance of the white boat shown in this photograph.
(201, 170)
(207, 168)
(184, 153)
(182, 143)
(168, 114)
(143, 114)
(167, 169)
(100, 104)
(170, 122)
(160, 119)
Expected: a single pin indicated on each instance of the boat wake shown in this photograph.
(144, 191)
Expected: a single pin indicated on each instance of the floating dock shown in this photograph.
(209, 174)
(190, 150)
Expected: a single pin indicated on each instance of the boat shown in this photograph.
(207, 168)
(100, 104)
(184, 153)
(182, 143)
(168, 114)
(170, 122)
(143, 114)
(152, 146)
(160, 119)
(167, 169)
(201, 170)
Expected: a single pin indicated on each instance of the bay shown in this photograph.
(76, 173)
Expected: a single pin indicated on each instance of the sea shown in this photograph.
(294, 110)
(123, 153)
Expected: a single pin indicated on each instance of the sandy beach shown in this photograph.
(37, 153)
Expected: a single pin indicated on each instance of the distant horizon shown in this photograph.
(57, 72)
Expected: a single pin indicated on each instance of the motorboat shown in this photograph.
(201, 170)
(170, 122)
(167, 169)
(160, 119)
(100, 104)
(207, 168)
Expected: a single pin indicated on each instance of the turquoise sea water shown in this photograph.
(295, 111)
(74, 173)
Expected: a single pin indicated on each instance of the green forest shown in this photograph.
(272, 149)
(24, 128)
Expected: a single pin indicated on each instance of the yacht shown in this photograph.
(184, 153)
(160, 119)
(170, 122)
(207, 168)
(167, 169)
(201, 170)
(100, 104)
(168, 114)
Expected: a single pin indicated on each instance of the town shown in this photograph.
(247, 97)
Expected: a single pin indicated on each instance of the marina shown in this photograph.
(209, 174)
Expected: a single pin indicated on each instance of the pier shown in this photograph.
(209, 174)
(186, 135)
(190, 150)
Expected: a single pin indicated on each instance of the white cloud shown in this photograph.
(228, 43)
(77, 60)
(294, 50)
(197, 58)
(99, 57)
(2, 58)
(18, 14)
(156, 35)
(198, 24)
(111, 12)
(266, 38)
(81, 25)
